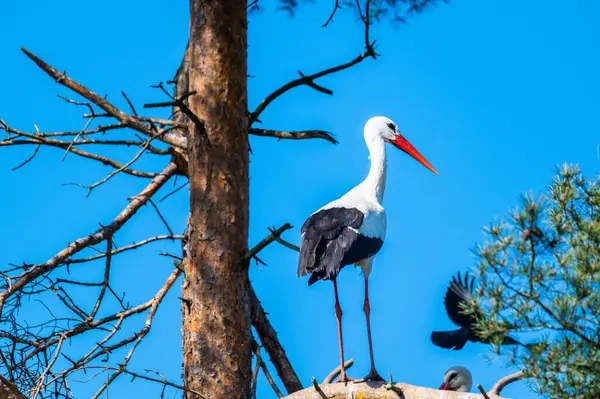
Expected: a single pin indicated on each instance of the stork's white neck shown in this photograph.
(374, 184)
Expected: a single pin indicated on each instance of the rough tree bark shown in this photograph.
(216, 311)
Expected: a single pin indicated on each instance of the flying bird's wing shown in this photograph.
(459, 291)
(329, 239)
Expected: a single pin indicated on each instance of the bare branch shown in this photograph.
(180, 103)
(260, 363)
(336, 371)
(127, 165)
(294, 135)
(335, 8)
(483, 392)
(28, 159)
(268, 338)
(308, 80)
(37, 140)
(161, 217)
(100, 235)
(275, 233)
(503, 382)
(109, 244)
(304, 80)
(123, 249)
(174, 191)
(132, 122)
(153, 308)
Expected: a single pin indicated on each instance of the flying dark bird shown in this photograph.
(460, 292)
(351, 229)
(457, 379)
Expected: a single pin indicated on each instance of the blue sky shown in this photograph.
(494, 94)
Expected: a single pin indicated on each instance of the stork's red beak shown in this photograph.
(403, 144)
(444, 387)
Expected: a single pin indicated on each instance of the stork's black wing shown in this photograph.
(329, 239)
(459, 292)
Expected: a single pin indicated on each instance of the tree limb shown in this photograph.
(336, 371)
(294, 135)
(307, 80)
(503, 382)
(275, 233)
(268, 337)
(100, 235)
(132, 122)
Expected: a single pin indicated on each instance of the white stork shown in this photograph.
(457, 379)
(351, 229)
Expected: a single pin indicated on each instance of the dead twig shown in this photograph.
(100, 235)
(318, 388)
(336, 371)
(483, 392)
(294, 135)
(153, 308)
(268, 338)
(335, 8)
(101, 102)
(275, 233)
(503, 382)
(260, 363)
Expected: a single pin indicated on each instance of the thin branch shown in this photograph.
(100, 235)
(109, 244)
(268, 338)
(28, 159)
(64, 145)
(99, 129)
(174, 191)
(153, 308)
(123, 249)
(127, 165)
(503, 382)
(129, 102)
(336, 371)
(318, 388)
(335, 8)
(256, 350)
(294, 135)
(303, 80)
(483, 392)
(180, 103)
(161, 217)
(275, 233)
(42, 377)
(365, 18)
(263, 366)
(132, 122)
(162, 380)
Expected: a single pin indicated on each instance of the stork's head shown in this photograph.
(382, 128)
(457, 379)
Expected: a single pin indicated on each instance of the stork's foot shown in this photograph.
(344, 378)
(372, 376)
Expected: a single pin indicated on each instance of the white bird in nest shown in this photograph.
(457, 379)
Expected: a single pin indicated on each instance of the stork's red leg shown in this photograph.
(338, 315)
(373, 374)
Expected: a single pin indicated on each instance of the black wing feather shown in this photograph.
(459, 291)
(326, 240)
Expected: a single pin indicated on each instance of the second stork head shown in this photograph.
(457, 379)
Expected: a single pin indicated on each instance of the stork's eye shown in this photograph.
(392, 126)
(452, 376)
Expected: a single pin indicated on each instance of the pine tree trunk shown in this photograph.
(216, 311)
